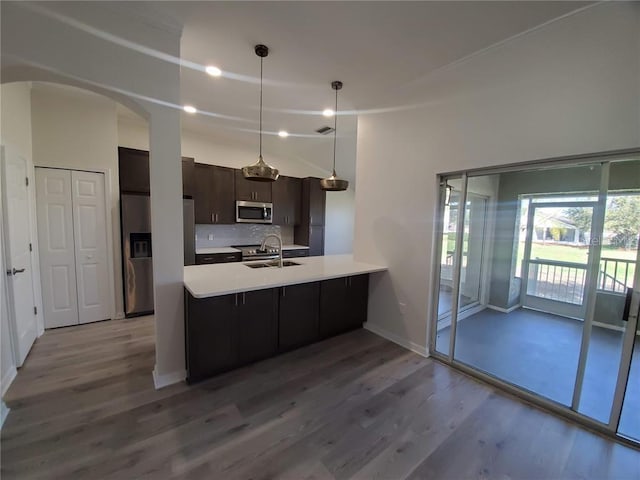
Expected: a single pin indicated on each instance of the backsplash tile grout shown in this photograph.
(239, 234)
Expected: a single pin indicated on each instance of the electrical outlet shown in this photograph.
(211, 236)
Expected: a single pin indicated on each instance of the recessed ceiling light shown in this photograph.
(283, 133)
(190, 109)
(213, 71)
(327, 112)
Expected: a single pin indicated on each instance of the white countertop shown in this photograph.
(212, 250)
(224, 278)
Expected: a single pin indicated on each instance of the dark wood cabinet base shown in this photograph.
(229, 331)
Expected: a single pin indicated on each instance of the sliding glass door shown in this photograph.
(534, 275)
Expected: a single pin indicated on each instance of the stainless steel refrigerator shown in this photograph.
(137, 250)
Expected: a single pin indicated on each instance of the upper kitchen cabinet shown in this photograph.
(313, 201)
(133, 168)
(310, 231)
(252, 191)
(213, 195)
(188, 176)
(287, 192)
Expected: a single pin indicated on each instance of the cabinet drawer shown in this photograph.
(300, 252)
(202, 259)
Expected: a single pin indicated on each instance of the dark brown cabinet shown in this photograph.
(298, 315)
(222, 333)
(343, 304)
(298, 252)
(188, 176)
(310, 231)
(204, 259)
(225, 332)
(250, 190)
(257, 325)
(133, 166)
(214, 194)
(286, 194)
(210, 336)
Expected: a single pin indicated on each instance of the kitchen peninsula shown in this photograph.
(235, 314)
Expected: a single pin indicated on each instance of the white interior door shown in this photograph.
(18, 251)
(90, 231)
(56, 244)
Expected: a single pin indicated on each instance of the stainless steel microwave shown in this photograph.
(253, 212)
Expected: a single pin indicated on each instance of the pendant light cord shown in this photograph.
(261, 61)
(335, 131)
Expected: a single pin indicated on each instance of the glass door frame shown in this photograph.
(595, 249)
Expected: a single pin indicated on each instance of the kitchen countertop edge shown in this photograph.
(319, 268)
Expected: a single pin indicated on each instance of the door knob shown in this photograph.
(18, 271)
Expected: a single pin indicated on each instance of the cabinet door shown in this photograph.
(316, 241)
(299, 315)
(188, 171)
(358, 300)
(250, 190)
(333, 308)
(256, 324)
(210, 336)
(287, 192)
(223, 202)
(202, 193)
(204, 259)
(133, 168)
(317, 199)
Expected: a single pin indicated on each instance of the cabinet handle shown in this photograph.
(284, 291)
(244, 298)
(236, 299)
(213, 218)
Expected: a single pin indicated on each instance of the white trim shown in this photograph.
(4, 413)
(403, 342)
(505, 310)
(166, 379)
(8, 378)
(608, 326)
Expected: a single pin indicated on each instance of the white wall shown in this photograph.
(218, 151)
(78, 130)
(570, 87)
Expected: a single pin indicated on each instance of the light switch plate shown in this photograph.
(211, 236)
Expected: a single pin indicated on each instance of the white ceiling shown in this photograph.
(375, 48)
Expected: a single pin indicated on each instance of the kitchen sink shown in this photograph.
(272, 263)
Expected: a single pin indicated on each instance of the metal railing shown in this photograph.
(555, 280)
(616, 275)
(564, 281)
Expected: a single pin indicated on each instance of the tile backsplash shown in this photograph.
(239, 234)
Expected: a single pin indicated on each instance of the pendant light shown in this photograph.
(333, 183)
(260, 171)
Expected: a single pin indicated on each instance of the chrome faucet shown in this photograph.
(264, 244)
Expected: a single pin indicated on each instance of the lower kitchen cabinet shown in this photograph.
(257, 325)
(225, 332)
(343, 304)
(210, 336)
(298, 315)
(293, 253)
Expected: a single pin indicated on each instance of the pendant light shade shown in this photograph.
(334, 183)
(260, 171)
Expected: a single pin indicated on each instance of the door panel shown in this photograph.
(89, 217)
(57, 254)
(18, 227)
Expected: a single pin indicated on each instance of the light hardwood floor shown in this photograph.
(355, 406)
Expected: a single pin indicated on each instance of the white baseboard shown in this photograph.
(403, 342)
(4, 412)
(504, 310)
(8, 379)
(119, 316)
(166, 379)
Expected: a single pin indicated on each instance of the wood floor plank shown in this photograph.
(354, 406)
